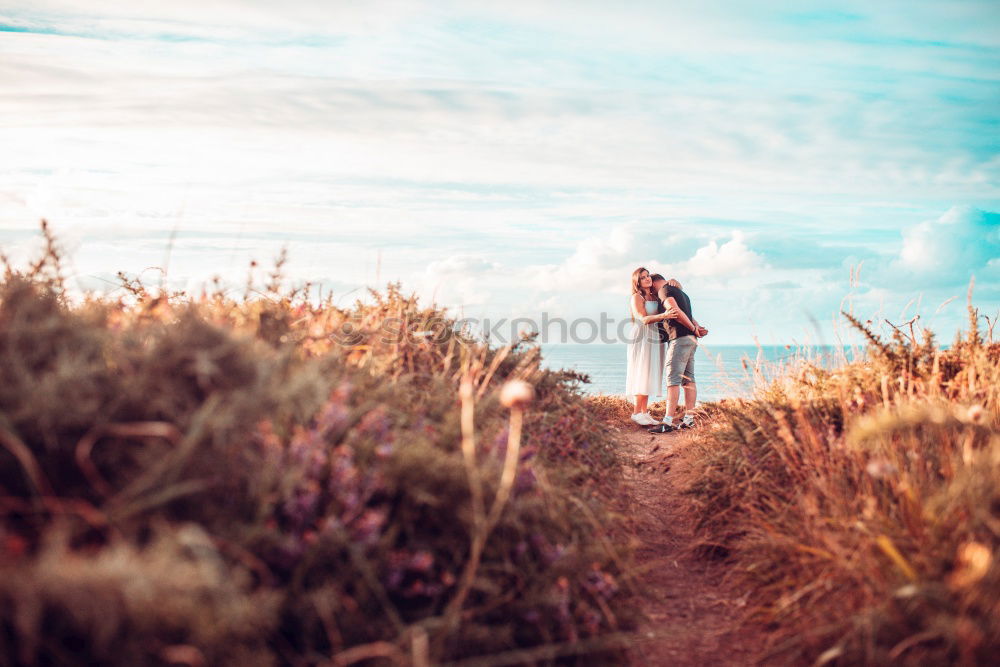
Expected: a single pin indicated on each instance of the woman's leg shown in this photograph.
(641, 401)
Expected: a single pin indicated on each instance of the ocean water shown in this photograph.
(721, 371)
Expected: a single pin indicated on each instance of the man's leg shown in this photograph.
(690, 390)
(678, 359)
(673, 397)
(670, 367)
(679, 364)
(690, 396)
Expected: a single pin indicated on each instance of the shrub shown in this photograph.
(860, 504)
(335, 467)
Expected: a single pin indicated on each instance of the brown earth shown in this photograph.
(694, 611)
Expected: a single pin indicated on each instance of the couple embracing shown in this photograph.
(663, 341)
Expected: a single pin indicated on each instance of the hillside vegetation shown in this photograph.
(860, 506)
(217, 480)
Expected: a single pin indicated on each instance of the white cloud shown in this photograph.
(459, 281)
(729, 260)
(602, 263)
(960, 243)
(218, 18)
(496, 151)
(457, 266)
(601, 266)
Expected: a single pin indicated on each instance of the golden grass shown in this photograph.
(270, 480)
(861, 505)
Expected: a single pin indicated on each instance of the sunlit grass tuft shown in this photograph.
(861, 504)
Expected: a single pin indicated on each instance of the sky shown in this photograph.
(784, 161)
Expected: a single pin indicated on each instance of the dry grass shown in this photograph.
(212, 480)
(611, 409)
(616, 410)
(861, 505)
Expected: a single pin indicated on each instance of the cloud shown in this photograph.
(424, 95)
(460, 280)
(602, 263)
(460, 265)
(729, 260)
(600, 266)
(531, 153)
(211, 19)
(948, 250)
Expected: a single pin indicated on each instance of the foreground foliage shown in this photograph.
(861, 505)
(267, 480)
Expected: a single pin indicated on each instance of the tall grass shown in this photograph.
(209, 480)
(861, 505)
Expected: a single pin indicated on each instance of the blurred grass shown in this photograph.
(209, 480)
(861, 505)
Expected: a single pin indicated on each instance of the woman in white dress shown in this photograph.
(644, 377)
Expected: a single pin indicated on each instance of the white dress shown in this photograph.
(645, 357)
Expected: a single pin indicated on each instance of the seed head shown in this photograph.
(516, 393)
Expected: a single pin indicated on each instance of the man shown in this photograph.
(683, 333)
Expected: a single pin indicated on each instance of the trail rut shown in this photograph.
(693, 610)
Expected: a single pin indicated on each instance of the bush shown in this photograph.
(206, 480)
(173, 600)
(861, 506)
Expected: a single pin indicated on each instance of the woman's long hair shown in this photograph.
(636, 287)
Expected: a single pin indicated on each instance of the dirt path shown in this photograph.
(693, 613)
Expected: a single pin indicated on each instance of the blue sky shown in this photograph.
(511, 158)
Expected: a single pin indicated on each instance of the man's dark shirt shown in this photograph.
(674, 328)
(661, 326)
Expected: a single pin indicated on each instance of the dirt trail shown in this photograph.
(693, 612)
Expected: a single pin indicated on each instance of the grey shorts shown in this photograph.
(679, 365)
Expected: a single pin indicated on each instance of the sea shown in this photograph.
(721, 371)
